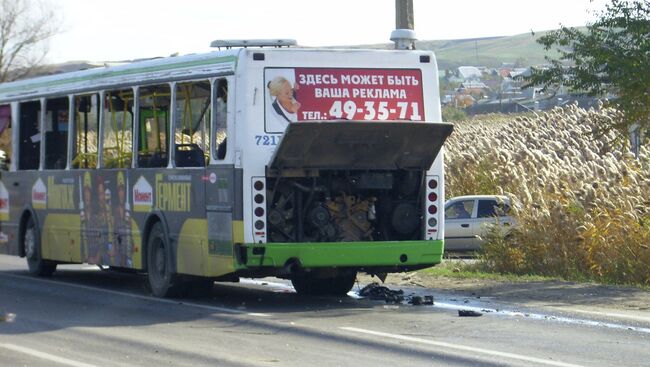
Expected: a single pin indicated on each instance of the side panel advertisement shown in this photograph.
(308, 94)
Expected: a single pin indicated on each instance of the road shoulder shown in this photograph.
(589, 299)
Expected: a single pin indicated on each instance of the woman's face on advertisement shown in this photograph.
(286, 95)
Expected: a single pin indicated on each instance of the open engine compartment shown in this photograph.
(342, 206)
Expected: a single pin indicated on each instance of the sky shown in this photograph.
(130, 29)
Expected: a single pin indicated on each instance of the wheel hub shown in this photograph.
(30, 244)
(160, 260)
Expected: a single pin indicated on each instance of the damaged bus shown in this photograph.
(305, 164)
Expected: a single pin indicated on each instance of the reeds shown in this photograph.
(584, 198)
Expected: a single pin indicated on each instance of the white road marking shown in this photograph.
(142, 297)
(463, 348)
(45, 356)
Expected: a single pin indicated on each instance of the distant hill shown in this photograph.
(450, 54)
(488, 51)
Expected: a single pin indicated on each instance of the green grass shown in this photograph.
(461, 270)
(472, 271)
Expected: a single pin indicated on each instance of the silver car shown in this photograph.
(467, 218)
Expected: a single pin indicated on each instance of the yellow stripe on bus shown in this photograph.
(238, 231)
(192, 247)
(61, 238)
(192, 254)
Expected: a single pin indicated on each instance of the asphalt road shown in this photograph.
(86, 317)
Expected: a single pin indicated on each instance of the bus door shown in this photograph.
(223, 182)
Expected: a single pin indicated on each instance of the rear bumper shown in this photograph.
(379, 254)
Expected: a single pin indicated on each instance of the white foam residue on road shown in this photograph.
(449, 304)
(279, 286)
(538, 316)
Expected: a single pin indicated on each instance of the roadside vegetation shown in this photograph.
(460, 269)
(583, 199)
(452, 114)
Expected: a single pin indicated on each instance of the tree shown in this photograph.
(25, 26)
(609, 57)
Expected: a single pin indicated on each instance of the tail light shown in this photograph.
(259, 209)
(432, 204)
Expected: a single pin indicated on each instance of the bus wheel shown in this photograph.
(316, 284)
(32, 245)
(159, 264)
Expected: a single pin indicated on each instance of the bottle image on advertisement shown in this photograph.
(123, 222)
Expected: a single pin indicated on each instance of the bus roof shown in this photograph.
(152, 71)
(149, 71)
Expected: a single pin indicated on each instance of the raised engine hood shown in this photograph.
(360, 145)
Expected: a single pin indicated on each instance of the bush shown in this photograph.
(451, 113)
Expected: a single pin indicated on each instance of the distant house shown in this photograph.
(447, 98)
(519, 72)
(505, 72)
(474, 88)
(469, 72)
(463, 100)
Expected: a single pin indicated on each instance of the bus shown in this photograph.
(249, 161)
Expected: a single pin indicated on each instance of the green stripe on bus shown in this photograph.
(354, 254)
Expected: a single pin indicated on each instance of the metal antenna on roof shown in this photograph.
(404, 35)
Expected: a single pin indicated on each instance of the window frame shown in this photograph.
(12, 138)
(74, 131)
(44, 106)
(472, 214)
(227, 159)
(493, 208)
(16, 135)
(102, 126)
(212, 125)
(135, 145)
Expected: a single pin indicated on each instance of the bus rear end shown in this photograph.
(342, 165)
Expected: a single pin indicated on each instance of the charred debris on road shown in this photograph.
(377, 292)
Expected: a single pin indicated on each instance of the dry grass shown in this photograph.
(584, 201)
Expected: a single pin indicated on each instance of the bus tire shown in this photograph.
(32, 247)
(162, 280)
(313, 284)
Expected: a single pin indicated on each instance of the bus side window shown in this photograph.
(192, 126)
(56, 133)
(29, 136)
(118, 129)
(5, 136)
(221, 112)
(155, 103)
(86, 120)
